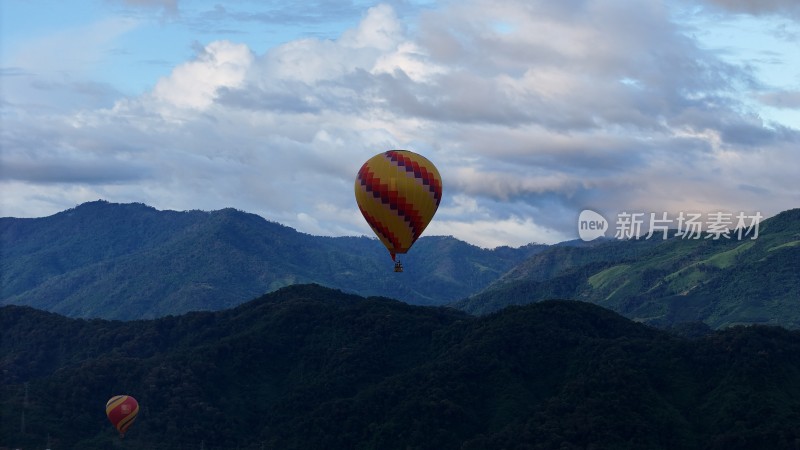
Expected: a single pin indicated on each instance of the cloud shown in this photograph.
(220, 64)
(78, 48)
(277, 13)
(51, 72)
(72, 171)
(532, 110)
(781, 99)
(760, 7)
(168, 7)
(166, 4)
(513, 231)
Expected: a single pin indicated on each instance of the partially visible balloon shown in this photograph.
(121, 411)
(398, 193)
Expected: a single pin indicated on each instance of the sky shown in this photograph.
(532, 110)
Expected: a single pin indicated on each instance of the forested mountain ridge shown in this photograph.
(663, 282)
(130, 261)
(309, 367)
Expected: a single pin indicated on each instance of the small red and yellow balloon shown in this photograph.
(121, 411)
(398, 192)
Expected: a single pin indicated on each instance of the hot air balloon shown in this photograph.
(121, 411)
(398, 192)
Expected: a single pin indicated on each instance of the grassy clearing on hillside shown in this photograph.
(786, 245)
(727, 259)
(604, 279)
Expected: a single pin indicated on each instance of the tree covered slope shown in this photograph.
(130, 261)
(722, 283)
(309, 367)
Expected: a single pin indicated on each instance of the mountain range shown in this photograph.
(660, 281)
(307, 367)
(131, 261)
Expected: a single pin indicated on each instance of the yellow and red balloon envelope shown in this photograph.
(121, 411)
(398, 193)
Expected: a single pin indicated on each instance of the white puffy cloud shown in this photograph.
(513, 231)
(380, 30)
(411, 60)
(195, 84)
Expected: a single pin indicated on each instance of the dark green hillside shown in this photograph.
(36, 250)
(307, 367)
(664, 282)
(131, 261)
